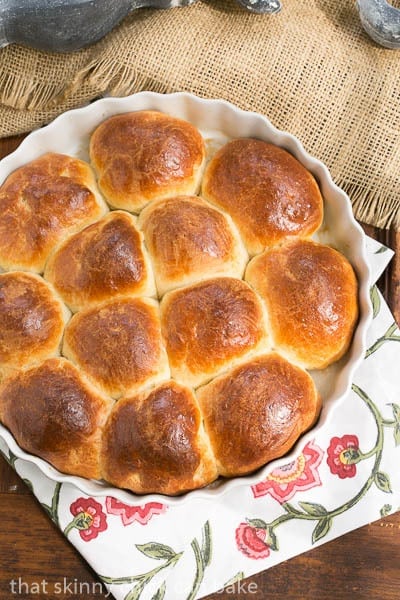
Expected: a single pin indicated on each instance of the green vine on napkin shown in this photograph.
(153, 550)
(160, 551)
(388, 336)
(203, 557)
(52, 509)
(256, 538)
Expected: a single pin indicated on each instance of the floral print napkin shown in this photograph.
(344, 478)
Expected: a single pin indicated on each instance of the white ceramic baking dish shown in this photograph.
(219, 121)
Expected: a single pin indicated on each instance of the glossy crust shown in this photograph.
(209, 326)
(310, 291)
(32, 320)
(140, 156)
(40, 204)
(189, 240)
(118, 345)
(154, 442)
(256, 412)
(55, 413)
(268, 192)
(105, 260)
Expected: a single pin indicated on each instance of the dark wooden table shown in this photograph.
(364, 564)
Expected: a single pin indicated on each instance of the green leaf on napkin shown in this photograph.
(28, 483)
(382, 482)
(386, 510)
(156, 550)
(271, 540)
(316, 510)
(291, 509)
(257, 523)
(206, 546)
(160, 593)
(322, 528)
(375, 300)
(396, 433)
(396, 412)
(135, 592)
(11, 458)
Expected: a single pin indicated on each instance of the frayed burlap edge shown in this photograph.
(377, 209)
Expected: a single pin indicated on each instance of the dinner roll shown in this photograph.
(310, 291)
(140, 156)
(105, 260)
(40, 204)
(256, 412)
(154, 442)
(118, 345)
(54, 413)
(189, 240)
(209, 326)
(268, 192)
(32, 320)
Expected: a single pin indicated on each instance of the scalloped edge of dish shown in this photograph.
(222, 116)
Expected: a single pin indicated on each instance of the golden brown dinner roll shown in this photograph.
(104, 260)
(40, 204)
(118, 345)
(209, 326)
(154, 442)
(32, 320)
(189, 240)
(140, 156)
(267, 191)
(310, 291)
(256, 412)
(54, 413)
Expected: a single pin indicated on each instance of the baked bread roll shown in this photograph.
(155, 442)
(310, 291)
(55, 413)
(189, 240)
(103, 261)
(32, 320)
(144, 155)
(40, 204)
(268, 192)
(256, 412)
(118, 345)
(209, 326)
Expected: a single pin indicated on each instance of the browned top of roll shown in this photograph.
(311, 295)
(152, 443)
(31, 319)
(208, 325)
(189, 240)
(256, 412)
(104, 260)
(267, 191)
(39, 204)
(144, 155)
(55, 414)
(118, 344)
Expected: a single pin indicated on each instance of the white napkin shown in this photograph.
(346, 477)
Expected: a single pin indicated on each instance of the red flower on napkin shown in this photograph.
(343, 454)
(129, 514)
(89, 518)
(250, 541)
(300, 474)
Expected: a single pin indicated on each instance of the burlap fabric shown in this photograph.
(311, 69)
